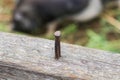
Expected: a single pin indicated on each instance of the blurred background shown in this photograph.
(101, 33)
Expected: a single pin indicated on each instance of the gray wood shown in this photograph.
(28, 58)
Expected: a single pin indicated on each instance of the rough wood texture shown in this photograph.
(27, 58)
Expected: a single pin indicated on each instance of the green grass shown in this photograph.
(3, 27)
(100, 42)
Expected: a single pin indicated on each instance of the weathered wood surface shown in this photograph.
(27, 58)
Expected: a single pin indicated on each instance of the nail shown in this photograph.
(57, 35)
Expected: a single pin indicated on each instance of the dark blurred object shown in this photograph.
(40, 16)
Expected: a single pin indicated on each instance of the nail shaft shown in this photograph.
(57, 45)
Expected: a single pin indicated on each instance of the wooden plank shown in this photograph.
(28, 58)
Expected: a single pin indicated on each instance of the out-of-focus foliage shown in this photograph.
(100, 42)
(70, 29)
(3, 27)
(95, 34)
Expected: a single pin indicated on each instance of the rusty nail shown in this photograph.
(57, 35)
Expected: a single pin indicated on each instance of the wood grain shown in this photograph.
(30, 58)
